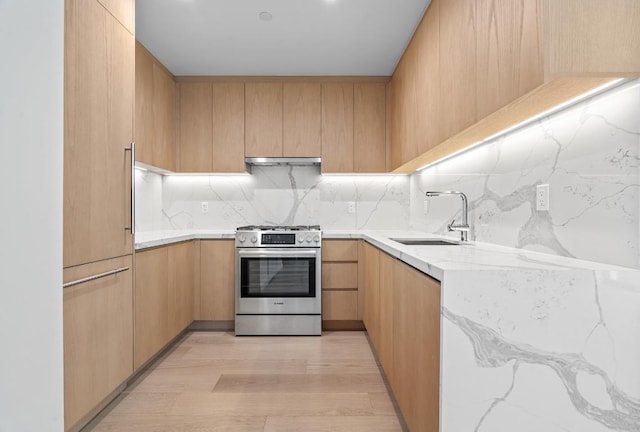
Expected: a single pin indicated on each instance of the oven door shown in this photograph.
(278, 281)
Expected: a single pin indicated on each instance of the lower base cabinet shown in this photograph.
(402, 317)
(217, 280)
(163, 297)
(98, 349)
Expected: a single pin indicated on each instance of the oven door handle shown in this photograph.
(271, 253)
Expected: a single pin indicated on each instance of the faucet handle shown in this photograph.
(460, 227)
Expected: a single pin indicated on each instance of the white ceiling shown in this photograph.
(305, 37)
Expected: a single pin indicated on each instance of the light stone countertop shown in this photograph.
(431, 260)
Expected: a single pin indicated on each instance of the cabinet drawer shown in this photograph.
(339, 275)
(339, 305)
(340, 250)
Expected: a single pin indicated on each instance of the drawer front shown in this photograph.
(339, 250)
(339, 305)
(339, 275)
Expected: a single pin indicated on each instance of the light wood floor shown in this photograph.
(214, 381)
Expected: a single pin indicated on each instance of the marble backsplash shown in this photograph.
(272, 195)
(589, 154)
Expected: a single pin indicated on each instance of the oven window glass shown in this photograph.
(278, 277)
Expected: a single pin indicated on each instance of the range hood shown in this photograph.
(286, 161)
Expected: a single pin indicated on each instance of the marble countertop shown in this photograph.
(432, 260)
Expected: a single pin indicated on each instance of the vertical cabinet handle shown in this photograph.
(132, 149)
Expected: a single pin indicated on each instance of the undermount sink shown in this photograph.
(425, 242)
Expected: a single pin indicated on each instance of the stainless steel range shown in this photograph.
(278, 280)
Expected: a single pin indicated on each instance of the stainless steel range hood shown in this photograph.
(282, 161)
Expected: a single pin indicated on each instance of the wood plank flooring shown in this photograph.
(214, 381)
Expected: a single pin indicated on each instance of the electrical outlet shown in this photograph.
(204, 206)
(542, 197)
(425, 206)
(351, 207)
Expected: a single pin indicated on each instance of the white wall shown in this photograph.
(31, 136)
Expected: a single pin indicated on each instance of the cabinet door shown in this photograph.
(164, 129)
(509, 52)
(387, 288)
(457, 75)
(228, 127)
(98, 336)
(123, 10)
(144, 105)
(337, 128)
(372, 293)
(263, 119)
(152, 304)
(340, 305)
(196, 110)
(416, 347)
(369, 124)
(217, 280)
(302, 122)
(181, 284)
(99, 81)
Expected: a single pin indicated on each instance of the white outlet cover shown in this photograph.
(205, 207)
(542, 197)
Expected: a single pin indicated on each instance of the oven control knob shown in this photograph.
(316, 238)
(241, 238)
(300, 239)
(254, 239)
(308, 239)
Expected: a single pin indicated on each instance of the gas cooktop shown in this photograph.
(279, 228)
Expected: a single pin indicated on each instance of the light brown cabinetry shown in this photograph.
(181, 286)
(416, 348)
(263, 119)
(369, 124)
(339, 284)
(354, 127)
(164, 283)
(211, 127)
(151, 304)
(508, 52)
(457, 58)
(302, 121)
(155, 111)
(371, 290)
(123, 11)
(337, 127)
(501, 63)
(195, 127)
(217, 280)
(98, 126)
(228, 127)
(402, 317)
(98, 336)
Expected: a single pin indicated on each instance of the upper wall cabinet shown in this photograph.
(263, 120)
(354, 127)
(223, 120)
(211, 127)
(473, 69)
(155, 111)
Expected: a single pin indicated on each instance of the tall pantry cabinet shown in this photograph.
(98, 238)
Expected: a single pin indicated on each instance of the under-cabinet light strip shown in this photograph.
(564, 105)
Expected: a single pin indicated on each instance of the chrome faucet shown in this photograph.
(464, 226)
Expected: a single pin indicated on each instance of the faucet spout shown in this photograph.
(464, 226)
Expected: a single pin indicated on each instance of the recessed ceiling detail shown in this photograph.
(303, 37)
